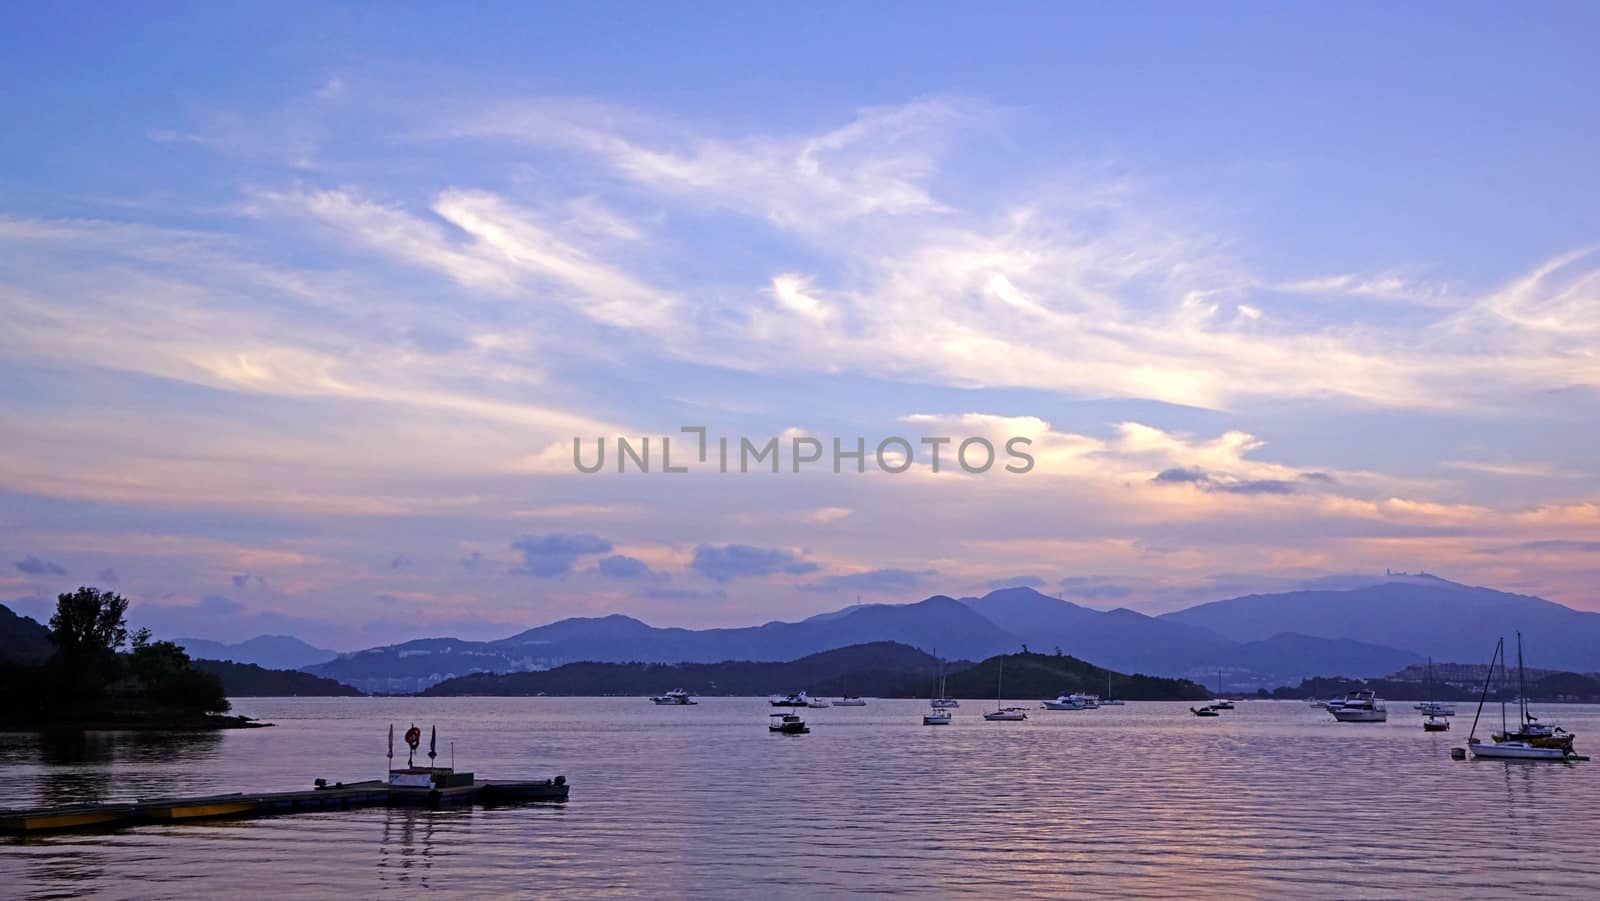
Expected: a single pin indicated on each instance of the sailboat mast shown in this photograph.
(1502, 691)
(997, 682)
(1485, 695)
(1522, 685)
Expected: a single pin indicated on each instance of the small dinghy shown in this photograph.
(787, 724)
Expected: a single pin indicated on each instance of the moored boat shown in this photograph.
(1006, 715)
(674, 698)
(850, 701)
(1531, 740)
(1436, 724)
(1204, 711)
(799, 699)
(1362, 706)
(787, 724)
(1003, 714)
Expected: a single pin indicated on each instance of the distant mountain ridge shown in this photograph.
(1427, 616)
(939, 622)
(270, 651)
(1001, 621)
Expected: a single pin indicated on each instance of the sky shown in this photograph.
(302, 306)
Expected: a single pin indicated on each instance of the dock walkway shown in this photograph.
(340, 796)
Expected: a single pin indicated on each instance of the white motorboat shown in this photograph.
(945, 703)
(1066, 702)
(1363, 706)
(936, 717)
(818, 702)
(799, 699)
(1436, 708)
(849, 701)
(674, 698)
(787, 724)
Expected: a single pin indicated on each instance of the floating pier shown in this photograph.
(443, 788)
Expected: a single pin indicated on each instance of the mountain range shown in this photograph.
(1358, 628)
(269, 651)
(1372, 629)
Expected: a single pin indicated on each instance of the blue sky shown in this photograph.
(305, 303)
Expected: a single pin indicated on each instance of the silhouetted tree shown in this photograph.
(89, 622)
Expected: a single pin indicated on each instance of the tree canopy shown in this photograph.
(89, 621)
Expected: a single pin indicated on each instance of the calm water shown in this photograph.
(1273, 799)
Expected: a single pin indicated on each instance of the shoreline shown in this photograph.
(209, 723)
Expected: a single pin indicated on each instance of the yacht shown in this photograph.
(1436, 724)
(850, 701)
(787, 724)
(800, 699)
(1067, 702)
(1204, 711)
(944, 701)
(1363, 706)
(1434, 710)
(674, 698)
(1221, 703)
(1006, 715)
(939, 707)
(1003, 714)
(1531, 740)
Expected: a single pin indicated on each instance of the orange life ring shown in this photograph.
(413, 737)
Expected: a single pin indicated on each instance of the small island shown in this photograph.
(94, 676)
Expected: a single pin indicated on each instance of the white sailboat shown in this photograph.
(1435, 714)
(1532, 740)
(937, 715)
(1108, 700)
(849, 700)
(1003, 714)
(1221, 703)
